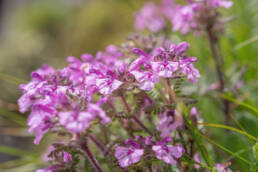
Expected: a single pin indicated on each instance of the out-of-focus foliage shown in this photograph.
(47, 31)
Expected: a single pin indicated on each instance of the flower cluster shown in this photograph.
(65, 97)
(164, 62)
(134, 150)
(61, 159)
(195, 16)
(74, 98)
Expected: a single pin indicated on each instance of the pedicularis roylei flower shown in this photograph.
(129, 101)
(76, 98)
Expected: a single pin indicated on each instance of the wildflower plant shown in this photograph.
(125, 109)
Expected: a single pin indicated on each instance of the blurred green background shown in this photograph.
(47, 31)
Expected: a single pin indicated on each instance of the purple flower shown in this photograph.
(168, 153)
(188, 69)
(165, 69)
(223, 167)
(221, 3)
(75, 121)
(30, 91)
(48, 169)
(67, 157)
(78, 121)
(150, 17)
(98, 112)
(179, 49)
(169, 121)
(39, 120)
(147, 79)
(108, 83)
(128, 155)
(184, 18)
(197, 159)
(194, 112)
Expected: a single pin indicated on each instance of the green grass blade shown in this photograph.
(245, 105)
(247, 42)
(198, 140)
(11, 79)
(13, 116)
(15, 152)
(230, 128)
(228, 151)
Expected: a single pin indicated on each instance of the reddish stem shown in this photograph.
(92, 159)
(134, 117)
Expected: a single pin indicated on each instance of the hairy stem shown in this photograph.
(93, 160)
(134, 117)
(170, 92)
(97, 142)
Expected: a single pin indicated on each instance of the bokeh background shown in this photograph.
(33, 32)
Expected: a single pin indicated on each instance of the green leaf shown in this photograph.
(18, 162)
(230, 128)
(228, 151)
(13, 116)
(15, 152)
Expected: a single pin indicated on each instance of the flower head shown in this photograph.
(168, 153)
(128, 155)
(108, 83)
(150, 17)
(169, 120)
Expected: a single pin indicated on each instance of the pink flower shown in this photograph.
(75, 121)
(150, 17)
(67, 157)
(165, 69)
(168, 153)
(184, 18)
(223, 167)
(127, 156)
(78, 121)
(48, 169)
(194, 112)
(197, 159)
(169, 121)
(39, 120)
(147, 79)
(108, 83)
(96, 111)
(188, 69)
(221, 3)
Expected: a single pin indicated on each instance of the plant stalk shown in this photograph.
(93, 160)
(213, 42)
(134, 117)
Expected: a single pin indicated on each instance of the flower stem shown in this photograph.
(97, 142)
(216, 58)
(134, 117)
(213, 41)
(92, 159)
(170, 92)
